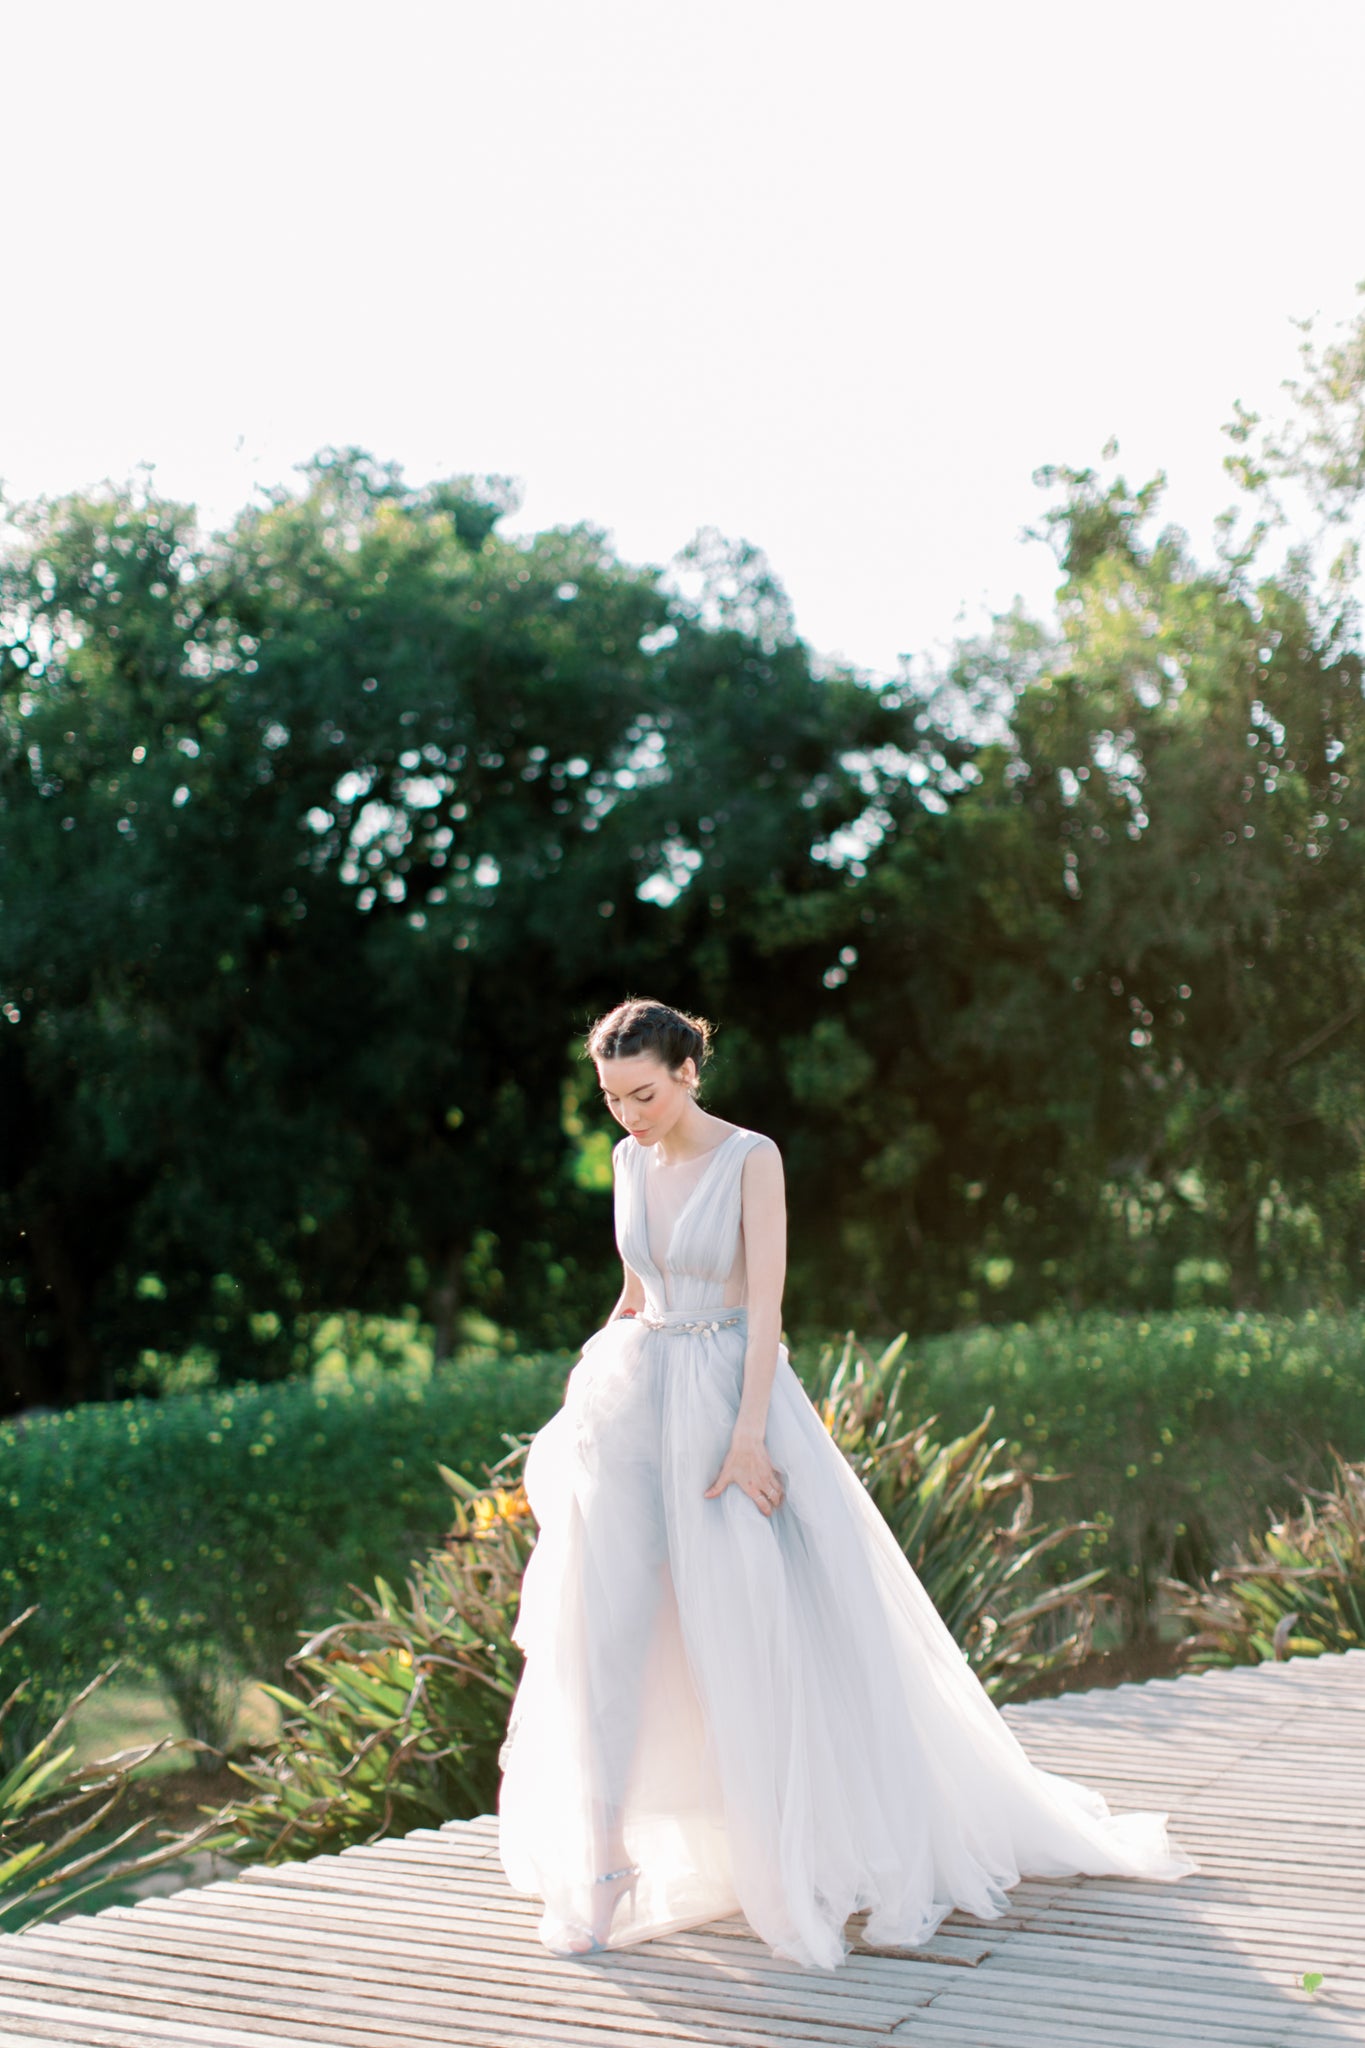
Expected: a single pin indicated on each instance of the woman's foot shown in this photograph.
(607, 1893)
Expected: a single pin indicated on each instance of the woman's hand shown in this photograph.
(748, 1466)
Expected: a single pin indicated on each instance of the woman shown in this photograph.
(737, 1694)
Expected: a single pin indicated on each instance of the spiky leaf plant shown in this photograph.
(48, 1808)
(405, 1707)
(945, 1504)
(1296, 1591)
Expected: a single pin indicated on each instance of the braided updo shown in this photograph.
(639, 1026)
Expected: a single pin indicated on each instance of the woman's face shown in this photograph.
(643, 1096)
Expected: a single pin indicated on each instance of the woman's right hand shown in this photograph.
(748, 1466)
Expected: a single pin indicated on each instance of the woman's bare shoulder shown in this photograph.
(764, 1154)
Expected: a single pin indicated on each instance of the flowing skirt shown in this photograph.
(767, 1710)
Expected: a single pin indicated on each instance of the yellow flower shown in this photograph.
(499, 1507)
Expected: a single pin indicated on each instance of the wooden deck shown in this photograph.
(418, 1940)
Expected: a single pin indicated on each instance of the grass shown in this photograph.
(121, 1715)
(171, 1792)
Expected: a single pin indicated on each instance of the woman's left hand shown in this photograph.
(748, 1466)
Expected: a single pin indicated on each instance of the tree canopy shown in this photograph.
(322, 841)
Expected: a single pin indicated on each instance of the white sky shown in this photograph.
(835, 278)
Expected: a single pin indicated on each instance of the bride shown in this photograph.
(737, 1695)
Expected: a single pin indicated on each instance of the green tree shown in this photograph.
(321, 842)
(1155, 1006)
(324, 840)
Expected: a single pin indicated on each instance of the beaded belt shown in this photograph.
(690, 1319)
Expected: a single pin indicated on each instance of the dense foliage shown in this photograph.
(199, 1536)
(319, 846)
(322, 840)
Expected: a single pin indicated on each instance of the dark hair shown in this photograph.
(639, 1026)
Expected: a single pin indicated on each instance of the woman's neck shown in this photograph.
(688, 1140)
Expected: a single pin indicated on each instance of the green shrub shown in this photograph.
(200, 1535)
(1296, 1591)
(1177, 1435)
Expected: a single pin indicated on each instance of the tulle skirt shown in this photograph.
(768, 1709)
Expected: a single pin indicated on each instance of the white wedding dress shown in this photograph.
(770, 1707)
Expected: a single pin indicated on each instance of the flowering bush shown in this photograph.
(403, 1710)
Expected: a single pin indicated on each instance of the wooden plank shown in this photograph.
(270, 1922)
(419, 1939)
(1223, 2008)
(366, 2023)
(802, 2006)
(1000, 2030)
(9, 2038)
(101, 2026)
(316, 2011)
(802, 2009)
(402, 1898)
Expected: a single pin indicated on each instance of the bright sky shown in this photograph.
(834, 278)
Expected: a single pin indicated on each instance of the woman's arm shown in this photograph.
(764, 1210)
(632, 1298)
(763, 1207)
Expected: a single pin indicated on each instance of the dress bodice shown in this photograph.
(686, 1242)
